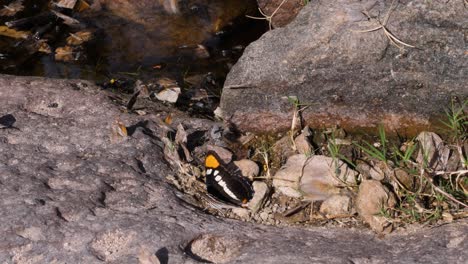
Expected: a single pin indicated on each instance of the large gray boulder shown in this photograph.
(73, 191)
(350, 76)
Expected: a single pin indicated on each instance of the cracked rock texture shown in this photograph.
(70, 195)
(344, 74)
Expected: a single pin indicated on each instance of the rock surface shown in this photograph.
(313, 177)
(352, 78)
(69, 195)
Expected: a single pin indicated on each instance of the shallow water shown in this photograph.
(141, 40)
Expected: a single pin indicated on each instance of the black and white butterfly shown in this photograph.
(226, 182)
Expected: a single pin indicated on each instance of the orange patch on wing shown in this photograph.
(211, 162)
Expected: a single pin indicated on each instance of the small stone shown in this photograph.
(146, 257)
(111, 245)
(261, 190)
(243, 213)
(404, 178)
(223, 153)
(32, 233)
(264, 216)
(372, 170)
(215, 248)
(373, 197)
(248, 168)
(169, 95)
(284, 148)
(218, 113)
(336, 206)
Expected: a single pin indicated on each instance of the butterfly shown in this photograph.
(226, 182)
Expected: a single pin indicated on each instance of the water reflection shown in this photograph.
(135, 36)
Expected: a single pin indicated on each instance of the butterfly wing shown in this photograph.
(226, 182)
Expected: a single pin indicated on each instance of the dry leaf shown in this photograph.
(181, 140)
(12, 9)
(8, 32)
(433, 151)
(201, 52)
(79, 38)
(169, 95)
(67, 20)
(64, 54)
(140, 112)
(82, 6)
(44, 47)
(119, 131)
(167, 83)
(168, 119)
(70, 4)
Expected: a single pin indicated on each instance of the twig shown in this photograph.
(459, 172)
(393, 39)
(266, 17)
(443, 192)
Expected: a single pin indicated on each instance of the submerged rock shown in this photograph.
(332, 61)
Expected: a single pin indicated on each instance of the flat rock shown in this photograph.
(351, 78)
(63, 130)
(315, 177)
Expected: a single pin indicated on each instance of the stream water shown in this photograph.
(134, 39)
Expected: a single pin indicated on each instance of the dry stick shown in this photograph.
(265, 16)
(393, 39)
(460, 153)
(459, 172)
(443, 192)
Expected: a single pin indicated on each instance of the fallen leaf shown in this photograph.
(82, 6)
(70, 4)
(119, 131)
(433, 152)
(64, 54)
(8, 32)
(168, 119)
(201, 52)
(12, 9)
(44, 47)
(79, 38)
(67, 20)
(169, 95)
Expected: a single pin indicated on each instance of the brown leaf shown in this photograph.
(168, 119)
(433, 152)
(12, 9)
(82, 6)
(79, 38)
(64, 54)
(8, 32)
(67, 20)
(119, 131)
(44, 47)
(70, 4)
